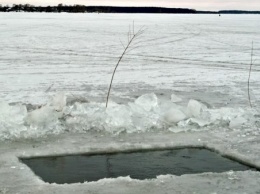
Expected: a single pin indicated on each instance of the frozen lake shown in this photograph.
(204, 57)
(200, 57)
(183, 85)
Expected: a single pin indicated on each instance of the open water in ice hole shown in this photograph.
(137, 165)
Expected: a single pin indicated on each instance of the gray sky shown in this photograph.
(195, 4)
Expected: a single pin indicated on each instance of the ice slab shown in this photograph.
(175, 98)
(147, 101)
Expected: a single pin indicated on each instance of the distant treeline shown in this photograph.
(238, 12)
(98, 9)
(111, 9)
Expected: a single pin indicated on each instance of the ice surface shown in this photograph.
(208, 64)
(228, 143)
(191, 57)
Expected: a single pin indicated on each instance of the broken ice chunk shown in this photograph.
(193, 122)
(237, 122)
(199, 122)
(58, 101)
(118, 117)
(174, 116)
(175, 98)
(147, 101)
(42, 116)
(177, 129)
(12, 114)
(195, 108)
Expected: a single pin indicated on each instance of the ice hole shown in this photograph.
(138, 165)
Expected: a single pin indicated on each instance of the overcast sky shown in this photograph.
(195, 4)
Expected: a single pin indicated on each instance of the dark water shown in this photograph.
(137, 165)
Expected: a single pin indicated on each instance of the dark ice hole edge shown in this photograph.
(138, 164)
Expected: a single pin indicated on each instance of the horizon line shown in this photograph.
(120, 6)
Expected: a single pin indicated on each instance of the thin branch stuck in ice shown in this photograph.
(248, 82)
(49, 88)
(131, 37)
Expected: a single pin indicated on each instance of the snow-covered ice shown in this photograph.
(203, 57)
(245, 149)
(184, 84)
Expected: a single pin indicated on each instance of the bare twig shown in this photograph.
(248, 82)
(133, 27)
(49, 88)
(122, 43)
(131, 37)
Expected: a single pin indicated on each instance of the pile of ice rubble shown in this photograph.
(147, 112)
